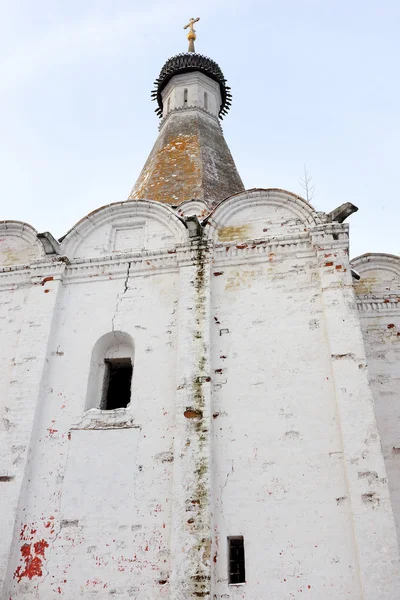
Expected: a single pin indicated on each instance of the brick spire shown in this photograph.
(190, 158)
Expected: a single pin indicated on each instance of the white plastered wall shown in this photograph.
(196, 85)
(106, 496)
(94, 513)
(378, 295)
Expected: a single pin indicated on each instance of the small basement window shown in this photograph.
(117, 383)
(237, 572)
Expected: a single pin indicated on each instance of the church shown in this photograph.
(200, 391)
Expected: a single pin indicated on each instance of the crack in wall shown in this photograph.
(120, 296)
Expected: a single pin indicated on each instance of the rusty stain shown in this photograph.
(390, 326)
(46, 291)
(215, 415)
(234, 232)
(191, 413)
(338, 267)
(365, 285)
(241, 246)
(6, 478)
(329, 264)
(218, 273)
(241, 279)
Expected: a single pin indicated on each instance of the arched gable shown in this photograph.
(193, 207)
(380, 274)
(18, 243)
(260, 213)
(129, 226)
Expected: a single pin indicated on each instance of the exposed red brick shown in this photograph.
(46, 279)
(191, 413)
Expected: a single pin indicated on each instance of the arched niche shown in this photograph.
(116, 347)
(193, 207)
(379, 274)
(259, 214)
(124, 227)
(18, 244)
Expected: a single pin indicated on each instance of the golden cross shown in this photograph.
(192, 34)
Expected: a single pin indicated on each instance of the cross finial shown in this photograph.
(192, 34)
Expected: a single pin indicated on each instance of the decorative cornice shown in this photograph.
(187, 108)
(261, 250)
(332, 236)
(383, 304)
(16, 276)
(186, 254)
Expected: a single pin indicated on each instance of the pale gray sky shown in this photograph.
(313, 81)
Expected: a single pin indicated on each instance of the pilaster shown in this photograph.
(191, 493)
(374, 527)
(25, 395)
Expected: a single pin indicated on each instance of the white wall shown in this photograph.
(99, 495)
(279, 476)
(378, 293)
(251, 414)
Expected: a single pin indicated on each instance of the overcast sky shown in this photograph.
(314, 82)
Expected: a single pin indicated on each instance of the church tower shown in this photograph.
(199, 391)
(190, 159)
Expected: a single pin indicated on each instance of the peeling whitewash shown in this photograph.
(251, 410)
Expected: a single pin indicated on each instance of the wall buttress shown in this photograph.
(191, 487)
(373, 522)
(25, 397)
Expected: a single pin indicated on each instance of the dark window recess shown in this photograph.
(117, 383)
(236, 560)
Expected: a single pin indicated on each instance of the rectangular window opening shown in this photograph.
(185, 96)
(237, 572)
(117, 383)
